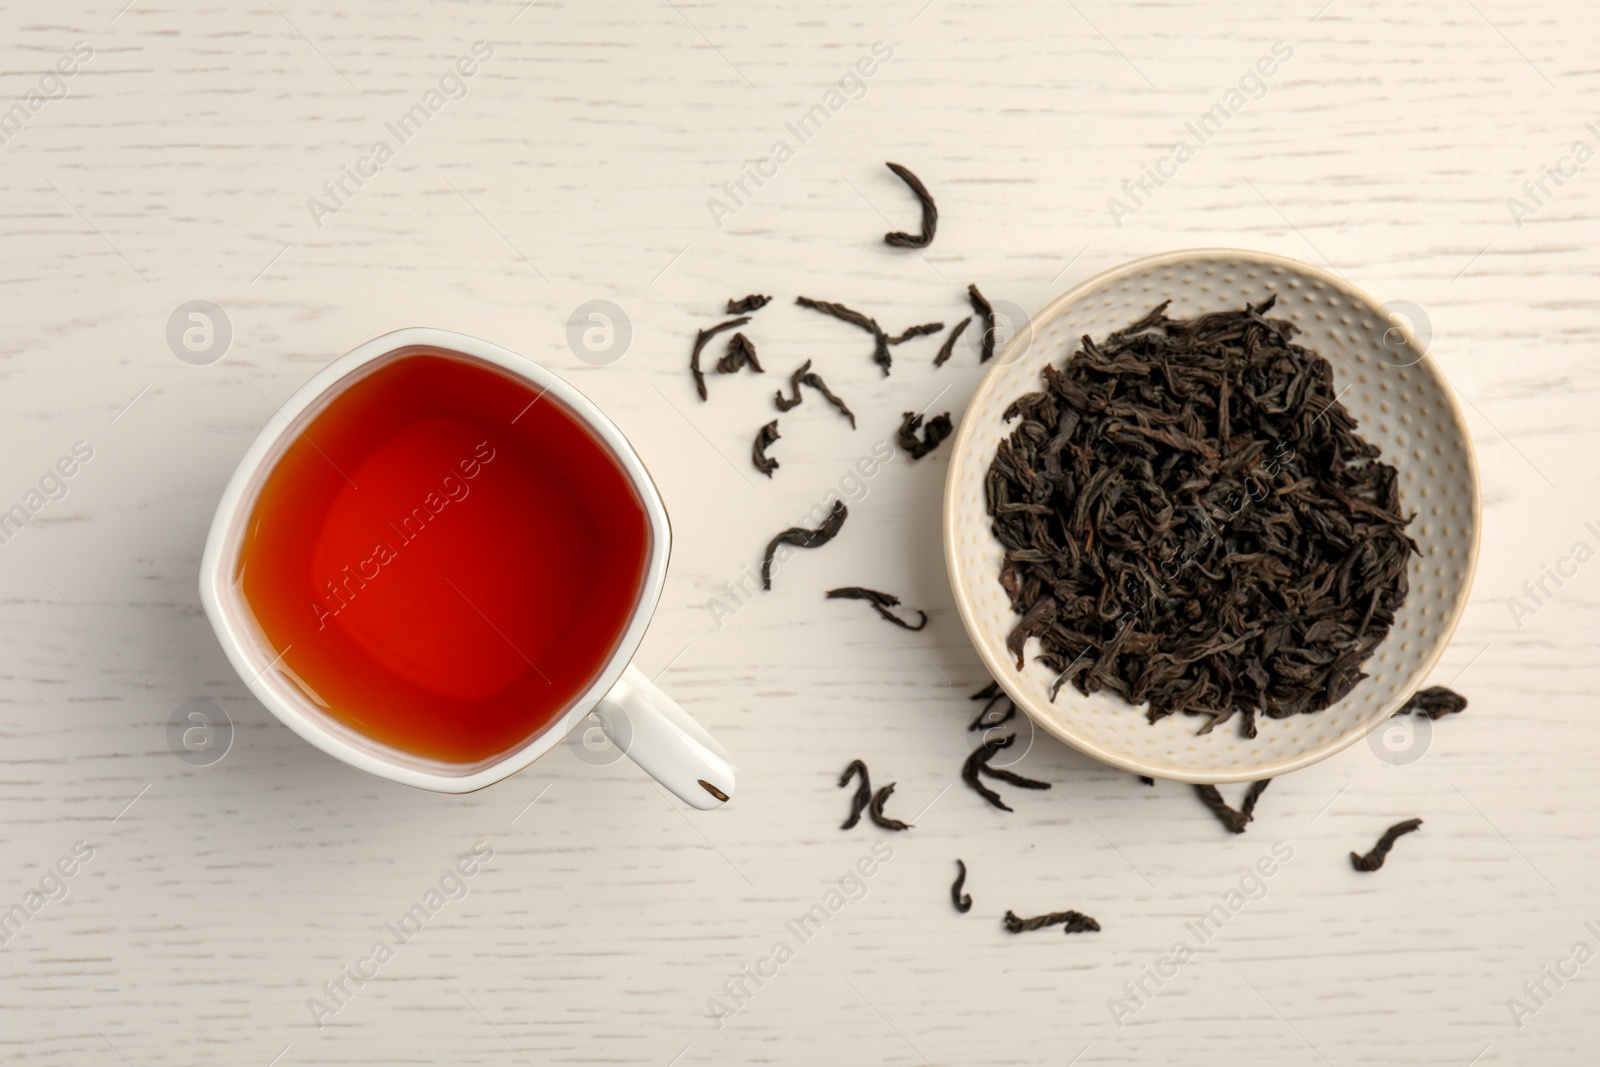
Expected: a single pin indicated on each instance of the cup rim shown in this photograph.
(1000, 671)
(317, 727)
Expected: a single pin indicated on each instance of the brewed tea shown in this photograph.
(445, 558)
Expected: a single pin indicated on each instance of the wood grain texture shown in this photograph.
(578, 165)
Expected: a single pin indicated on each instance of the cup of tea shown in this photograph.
(438, 559)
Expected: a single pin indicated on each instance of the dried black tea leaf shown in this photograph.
(881, 603)
(880, 340)
(753, 302)
(978, 762)
(985, 314)
(875, 810)
(800, 537)
(741, 353)
(805, 376)
(840, 312)
(1374, 859)
(1235, 821)
(764, 437)
(1251, 795)
(1147, 780)
(1435, 702)
(930, 212)
(700, 340)
(1191, 521)
(1012, 777)
(863, 797)
(925, 330)
(993, 694)
(949, 346)
(981, 755)
(786, 402)
(1076, 922)
(938, 428)
(815, 381)
(962, 901)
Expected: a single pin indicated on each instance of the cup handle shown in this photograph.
(653, 731)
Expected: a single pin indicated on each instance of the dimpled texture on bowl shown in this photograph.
(1401, 403)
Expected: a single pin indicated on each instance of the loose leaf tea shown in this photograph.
(800, 537)
(930, 213)
(1374, 859)
(1147, 780)
(700, 340)
(804, 376)
(741, 353)
(1192, 522)
(969, 770)
(978, 761)
(993, 694)
(875, 810)
(1435, 702)
(962, 901)
(949, 346)
(863, 796)
(880, 340)
(764, 437)
(816, 382)
(939, 427)
(753, 302)
(1235, 821)
(1076, 922)
(925, 330)
(986, 320)
(786, 402)
(881, 603)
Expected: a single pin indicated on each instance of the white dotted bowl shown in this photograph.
(1402, 403)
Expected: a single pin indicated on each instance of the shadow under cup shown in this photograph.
(443, 557)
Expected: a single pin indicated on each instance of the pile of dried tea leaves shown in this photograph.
(1192, 521)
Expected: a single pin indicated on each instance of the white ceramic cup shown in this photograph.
(636, 715)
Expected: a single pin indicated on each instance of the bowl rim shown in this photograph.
(1002, 671)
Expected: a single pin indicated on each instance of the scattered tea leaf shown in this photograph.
(753, 302)
(1235, 821)
(700, 340)
(875, 810)
(800, 537)
(978, 762)
(1374, 859)
(1147, 780)
(924, 330)
(741, 353)
(880, 340)
(815, 381)
(938, 428)
(980, 755)
(863, 797)
(1076, 922)
(881, 603)
(1435, 702)
(949, 346)
(786, 402)
(985, 314)
(765, 437)
(962, 901)
(993, 694)
(805, 376)
(930, 212)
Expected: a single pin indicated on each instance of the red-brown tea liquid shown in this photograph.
(445, 558)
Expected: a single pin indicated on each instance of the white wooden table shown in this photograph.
(577, 164)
